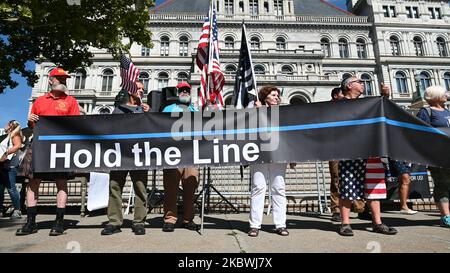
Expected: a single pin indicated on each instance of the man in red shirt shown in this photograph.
(54, 103)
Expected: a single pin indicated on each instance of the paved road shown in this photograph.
(227, 233)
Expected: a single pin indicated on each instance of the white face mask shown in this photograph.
(185, 99)
(59, 87)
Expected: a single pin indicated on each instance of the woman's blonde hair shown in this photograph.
(15, 128)
(434, 92)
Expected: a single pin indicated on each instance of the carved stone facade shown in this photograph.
(304, 47)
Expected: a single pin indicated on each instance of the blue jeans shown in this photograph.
(8, 179)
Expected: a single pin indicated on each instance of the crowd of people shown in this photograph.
(358, 182)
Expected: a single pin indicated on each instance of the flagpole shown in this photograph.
(210, 53)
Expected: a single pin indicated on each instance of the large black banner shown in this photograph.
(319, 131)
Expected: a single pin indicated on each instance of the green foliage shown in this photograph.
(53, 30)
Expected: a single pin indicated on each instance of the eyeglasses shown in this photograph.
(358, 81)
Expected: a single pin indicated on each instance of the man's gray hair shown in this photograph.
(345, 82)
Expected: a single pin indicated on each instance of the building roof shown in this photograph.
(301, 7)
(318, 8)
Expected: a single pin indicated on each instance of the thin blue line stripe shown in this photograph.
(419, 173)
(247, 131)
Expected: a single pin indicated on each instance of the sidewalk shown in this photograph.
(228, 233)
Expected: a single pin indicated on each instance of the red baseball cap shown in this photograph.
(183, 84)
(59, 72)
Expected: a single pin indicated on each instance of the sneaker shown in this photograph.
(408, 211)
(138, 229)
(445, 221)
(110, 229)
(57, 229)
(345, 230)
(383, 229)
(27, 229)
(336, 217)
(16, 215)
(191, 225)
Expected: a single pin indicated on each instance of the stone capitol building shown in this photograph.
(305, 47)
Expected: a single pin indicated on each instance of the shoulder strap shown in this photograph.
(428, 110)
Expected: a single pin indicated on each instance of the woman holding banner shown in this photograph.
(274, 174)
(438, 116)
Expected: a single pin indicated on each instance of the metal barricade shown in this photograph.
(307, 188)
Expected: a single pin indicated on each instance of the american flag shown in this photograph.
(129, 74)
(208, 62)
(245, 86)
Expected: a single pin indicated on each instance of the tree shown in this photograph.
(62, 32)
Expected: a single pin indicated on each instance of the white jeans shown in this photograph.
(273, 173)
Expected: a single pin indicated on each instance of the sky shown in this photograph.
(14, 102)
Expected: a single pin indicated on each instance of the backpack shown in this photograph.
(428, 109)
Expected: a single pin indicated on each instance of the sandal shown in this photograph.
(282, 231)
(345, 230)
(253, 232)
(383, 229)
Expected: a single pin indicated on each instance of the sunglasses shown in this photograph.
(358, 81)
(187, 91)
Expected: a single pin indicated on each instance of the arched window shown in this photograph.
(107, 80)
(447, 80)
(104, 111)
(326, 47)
(254, 43)
(230, 70)
(260, 70)
(418, 46)
(182, 77)
(228, 100)
(144, 78)
(164, 46)
(395, 45)
(402, 84)
(367, 80)
(229, 42)
(80, 80)
(163, 80)
(425, 80)
(184, 45)
(286, 70)
(298, 100)
(442, 47)
(281, 43)
(361, 48)
(343, 48)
